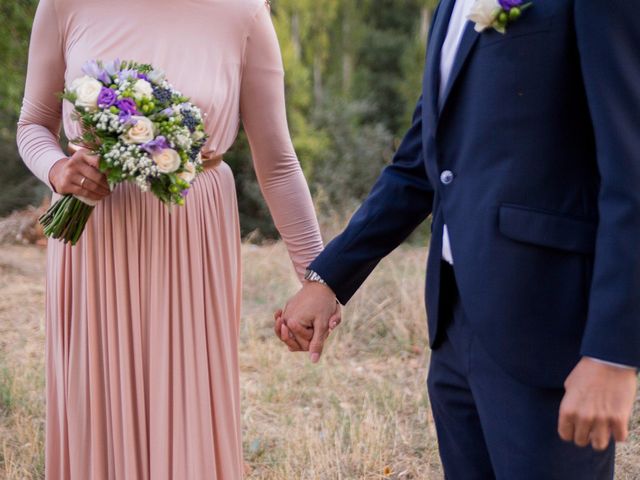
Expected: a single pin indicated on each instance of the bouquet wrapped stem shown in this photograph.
(142, 130)
(66, 219)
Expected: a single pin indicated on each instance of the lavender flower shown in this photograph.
(155, 145)
(163, 95)
(93, 69)
(509, 4)
(127, 105)
(113, 67)
(189, 120)
(127, 74)
(107, 98)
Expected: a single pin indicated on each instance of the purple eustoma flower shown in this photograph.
(155, 145)
(127, 105)
(142, 76)
(107, 98)
(93, 69)
(126, 117)
(509, 4)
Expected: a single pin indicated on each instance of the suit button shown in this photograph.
(446, 177)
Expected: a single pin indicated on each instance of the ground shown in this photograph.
(360, 414)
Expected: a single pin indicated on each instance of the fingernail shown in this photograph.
(315, 357)
(291, 336)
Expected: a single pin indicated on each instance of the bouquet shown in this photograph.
(143, 131)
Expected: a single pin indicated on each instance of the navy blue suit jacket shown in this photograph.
(541, 130)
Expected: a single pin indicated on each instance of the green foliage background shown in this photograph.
(353, 73)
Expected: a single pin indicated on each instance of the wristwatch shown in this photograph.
(311, 276)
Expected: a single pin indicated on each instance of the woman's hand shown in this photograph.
(308, 319)
(79, 175)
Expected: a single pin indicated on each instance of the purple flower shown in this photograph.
(107, 98)
(93, 69)
(127, 74)
(127, 105)
(155, 145)
(126, 117)
(509, 4)
(184, 193)
(143, 76)
(113, 67)
(168, 112)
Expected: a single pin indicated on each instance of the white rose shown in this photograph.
(189, 174)
(167, 160)
(484, 13)
(142, 89)
(87, 90)
(142, 131)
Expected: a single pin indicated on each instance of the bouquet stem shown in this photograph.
(66, 219)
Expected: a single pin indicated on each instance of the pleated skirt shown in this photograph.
(142, 321)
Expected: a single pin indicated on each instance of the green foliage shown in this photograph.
(16, 17)
(353, 75)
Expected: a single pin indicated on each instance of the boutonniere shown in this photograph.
(497, 14)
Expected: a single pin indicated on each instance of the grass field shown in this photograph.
(361, 414)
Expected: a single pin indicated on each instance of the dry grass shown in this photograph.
(361, 414)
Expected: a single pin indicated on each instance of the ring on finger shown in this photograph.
(84, 179)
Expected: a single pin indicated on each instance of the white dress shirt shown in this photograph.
(450, 47)
(457, 25)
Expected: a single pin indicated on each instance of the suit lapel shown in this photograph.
(434, 50)
(469, 39)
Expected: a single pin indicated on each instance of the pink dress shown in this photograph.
(143, 314)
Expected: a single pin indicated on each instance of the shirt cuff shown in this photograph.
(612, 364)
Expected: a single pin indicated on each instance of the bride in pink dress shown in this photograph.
(142, 314)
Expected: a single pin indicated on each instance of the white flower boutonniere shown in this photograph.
(496, 14)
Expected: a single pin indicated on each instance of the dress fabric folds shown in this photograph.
(142, 334)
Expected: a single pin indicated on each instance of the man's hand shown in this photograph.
(597, 404)
(79, 175)
(308, 318)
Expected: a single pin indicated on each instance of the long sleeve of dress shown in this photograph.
(262, 106)
(39, 124)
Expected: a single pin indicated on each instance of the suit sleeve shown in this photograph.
(400, 200)
(608, 33)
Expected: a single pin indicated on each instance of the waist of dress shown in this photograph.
(209, 158)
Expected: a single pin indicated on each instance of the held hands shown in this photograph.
(79, 175)
(308, 319)
(597, 404)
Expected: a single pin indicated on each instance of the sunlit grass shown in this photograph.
(362, 413)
